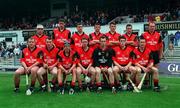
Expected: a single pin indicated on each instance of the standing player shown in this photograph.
(50, 54)
(29, 61)
(77, 36)
(94, 37)
(154, 42)
(123, 61)
(131, 39)
(102, 61)
(67, 65)
(113, 35)
(40, 37)
(144, 62)
(61, 34)
(85, 63)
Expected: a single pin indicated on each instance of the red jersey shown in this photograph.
(40, 41)
(153, 41)
(85, 57)
(60, 37)
(67, 61)
(123, 56)
(113, 37)
(50, 57)
(30, 57)
(93, 36)
(77, 39)
(143, 58)
(132, 37)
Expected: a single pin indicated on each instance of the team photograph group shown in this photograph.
(80, 62)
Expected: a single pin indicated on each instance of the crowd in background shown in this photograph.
(90, 16)
(8, 51)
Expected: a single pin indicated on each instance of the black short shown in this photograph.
(155, 57)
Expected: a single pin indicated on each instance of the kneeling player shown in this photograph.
(50, 62)
(67, 65)
(102, 61)
(30, 61)
(85, 63)
(144, 62)
(122, 61)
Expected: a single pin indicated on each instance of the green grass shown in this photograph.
(147, 99)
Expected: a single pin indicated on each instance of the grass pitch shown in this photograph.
(169, 98)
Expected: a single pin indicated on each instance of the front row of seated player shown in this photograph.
(110, 62)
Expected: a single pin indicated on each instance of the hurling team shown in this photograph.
(94, 61)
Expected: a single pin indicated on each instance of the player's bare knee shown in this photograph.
(154, 69)
(110, 71)
(115, 69)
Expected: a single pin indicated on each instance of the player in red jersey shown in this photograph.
(144, 62)
(131, 39)
(50, 61)
(113, 35)
(102, 61)
(67, 66)
(154, 42)
(77, 36)
(40, 37)
(123, 61)
(61, 34)
(29, 61)
(85, 63)
(94, 37)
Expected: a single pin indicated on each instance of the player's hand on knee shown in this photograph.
(45, 66)
(28, 69)
(146, 70)
(126, 68)
(50, 68)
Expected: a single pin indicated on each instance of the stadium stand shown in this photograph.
(89, 17)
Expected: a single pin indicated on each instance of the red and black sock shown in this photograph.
(32, 83)
(98, 84)
(16, 85)
(72, 84)
(156, 82)
(60, 84)
(112, 85)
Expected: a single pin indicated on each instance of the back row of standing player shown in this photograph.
(109, 53)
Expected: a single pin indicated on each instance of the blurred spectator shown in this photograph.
(17, 50)
(4, 44)
(172, 38)
(177, 38)
(171, 48)
(90, 17)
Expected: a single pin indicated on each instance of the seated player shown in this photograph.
(50, 62)
(122, 61)
(67, 66)
(85, 62)
(102, 61)
(30, 64)
(144, 62)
